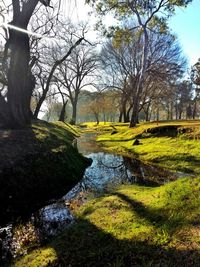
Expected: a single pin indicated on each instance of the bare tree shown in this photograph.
(77, 73)
(123, 65)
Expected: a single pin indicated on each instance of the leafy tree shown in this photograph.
(146, 15)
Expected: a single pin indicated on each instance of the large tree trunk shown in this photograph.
(4, 113)
(134, 116)
(19, 81)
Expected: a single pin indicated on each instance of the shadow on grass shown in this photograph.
(86, 245)
(153, 216)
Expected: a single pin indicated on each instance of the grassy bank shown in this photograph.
(172, 145)
(37, 163)
(137, 225)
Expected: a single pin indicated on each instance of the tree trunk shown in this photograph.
(63, 112)
(104, 118)
(120, 116)
(180, 114)
(171, 110)
(39, 104)
(128, 114)
(158, 113)
(74, 112)
(140, 83)
(147, 115)
(19, 80)
(134, 116)
(97, 118)
(122, 108)
(194, 109)
(4, 113)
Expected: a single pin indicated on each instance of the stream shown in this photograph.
(106, 171)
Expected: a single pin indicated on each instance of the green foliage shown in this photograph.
(148, 14)
(195, 73)
(121, 36)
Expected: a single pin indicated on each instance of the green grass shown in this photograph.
(137, 225)
(132, 226)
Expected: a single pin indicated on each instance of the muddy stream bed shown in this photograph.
(106, 171)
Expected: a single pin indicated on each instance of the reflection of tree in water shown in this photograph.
(136, 168)
(147, 174)
(106, 169)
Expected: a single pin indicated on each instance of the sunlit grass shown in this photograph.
(178, 153)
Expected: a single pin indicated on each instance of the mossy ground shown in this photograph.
(136, 225)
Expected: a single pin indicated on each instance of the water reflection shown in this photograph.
(106, 169)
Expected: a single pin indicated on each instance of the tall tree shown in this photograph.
(147, 15)
(122, 66)
(20, 79)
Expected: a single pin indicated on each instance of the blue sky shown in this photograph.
(186, 25)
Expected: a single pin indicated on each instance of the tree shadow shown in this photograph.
(153, 216)
(86, 245)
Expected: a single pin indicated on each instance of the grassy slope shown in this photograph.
(180, 153)
(134, 225)
(37, 163)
